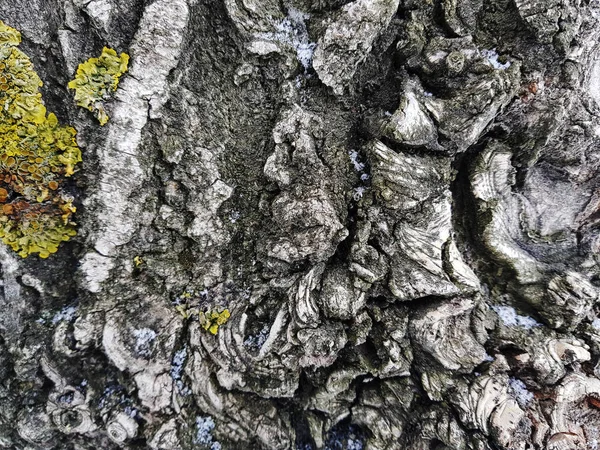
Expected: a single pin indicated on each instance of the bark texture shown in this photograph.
(397, 201)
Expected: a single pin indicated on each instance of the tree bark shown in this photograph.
(316, 224)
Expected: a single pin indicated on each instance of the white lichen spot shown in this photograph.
(492, 57)
(358, 166)
(359, 192)
(596, 323)
(257, 341)
(66, 314)
(177, 371)
(144, 338)
(204, 428)
(234, 216)
(130, 411)
(353, 444)
(300, 41)
(293, 31)
(520, 392)
(178, 362)
(510, 318)
(115, 394)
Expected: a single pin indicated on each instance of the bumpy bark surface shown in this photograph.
(396, 200)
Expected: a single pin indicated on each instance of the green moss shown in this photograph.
(36, 154)
(96, 79)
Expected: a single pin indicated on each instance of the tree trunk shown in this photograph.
(315, 224)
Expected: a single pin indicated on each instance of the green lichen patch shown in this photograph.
(96, 79)
(36, 154)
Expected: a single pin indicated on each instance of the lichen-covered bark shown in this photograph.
(397, 203)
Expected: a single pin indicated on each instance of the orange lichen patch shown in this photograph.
(36, 154)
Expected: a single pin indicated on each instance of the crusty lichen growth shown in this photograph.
(96, 79)
(212, 320)
(36, 154)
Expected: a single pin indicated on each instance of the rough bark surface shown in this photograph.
(397, 201)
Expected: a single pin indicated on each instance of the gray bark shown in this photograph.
(396, 201)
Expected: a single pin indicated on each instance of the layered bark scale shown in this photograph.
(396, 201)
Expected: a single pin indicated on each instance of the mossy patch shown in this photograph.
(36, 154)
(96, 79)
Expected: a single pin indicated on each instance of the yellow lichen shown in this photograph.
(185, 311)
(212, 320)
(36, 154)
(96, 79)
